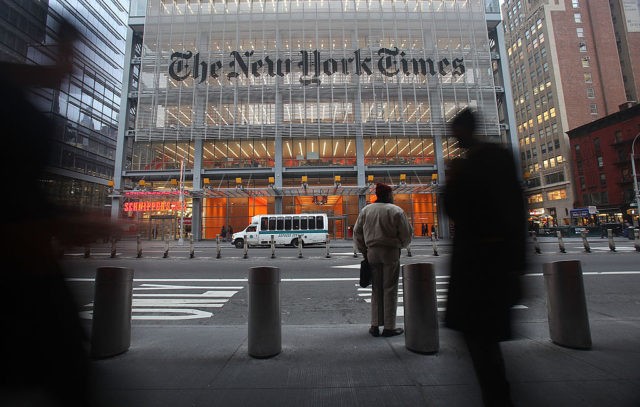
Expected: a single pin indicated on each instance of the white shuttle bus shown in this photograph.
(286, 230)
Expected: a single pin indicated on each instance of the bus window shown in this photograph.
(264, 223)
(319, 222)
(280, 223)
(272, 223)
(296, 223)
(312, 222)
(287, 223)
(303, 223)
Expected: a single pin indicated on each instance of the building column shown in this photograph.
(123, 120)
(440, 124)
(278, 167)
(357, 115)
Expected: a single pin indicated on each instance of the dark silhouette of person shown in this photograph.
(488, 257)
(43, 346)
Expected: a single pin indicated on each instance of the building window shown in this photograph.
(591, 93)
(582, 47)
(556, 195)
(600, 162)
(585, 62)
(537, 198)
(594, 109)
(587, 77)
(577, 18)
(583, 184)
(603, 179)
(575, 4)
(580, 32)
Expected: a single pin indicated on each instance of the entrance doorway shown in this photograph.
(162, 227)
(338, 227)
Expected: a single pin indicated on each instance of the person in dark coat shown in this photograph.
(483, 198)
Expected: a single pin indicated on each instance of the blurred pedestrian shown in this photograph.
(487, 259)
(381, 231)
(230, 233)
(43, 347)
(223, 233)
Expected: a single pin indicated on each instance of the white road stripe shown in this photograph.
(179, 314)
(184, 287)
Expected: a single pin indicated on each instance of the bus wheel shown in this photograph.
(239, 243)
(294, 242)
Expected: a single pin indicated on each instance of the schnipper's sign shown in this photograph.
(390, 62)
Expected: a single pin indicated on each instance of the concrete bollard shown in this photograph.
(327, 244)
(87, 251)
(273, 247)
(560, 242)
(113, 247)
(111, 324)
(138, 247)
(536, 244)
(636, 242)
(299, 246)
(566, 304)
(434, 243)
(246, 247)
(585, 242)
(420, 308)
(612, 244)
(265, 327)
(192, 252)
(218, 246)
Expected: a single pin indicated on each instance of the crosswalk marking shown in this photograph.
(161, 305)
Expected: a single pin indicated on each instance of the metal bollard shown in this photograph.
(566, 304)
(217, 246)
(327, 244)
(138, 247)
(420, 308)
(560, 242)
(612, 244)
(192, 252)
(585, 242)
(246, 247)
(111, 324)
(636, 243)
(265, 328)
(273, 247)
(299, 246)
(87, 251)
(536, 244)
(113, 247)
(435, 244)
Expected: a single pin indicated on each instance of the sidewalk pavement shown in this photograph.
(342, 365)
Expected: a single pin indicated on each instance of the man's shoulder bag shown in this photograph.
(365, 273)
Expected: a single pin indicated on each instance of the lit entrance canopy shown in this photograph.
(240, 192)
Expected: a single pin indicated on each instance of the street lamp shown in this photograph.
(635, 178)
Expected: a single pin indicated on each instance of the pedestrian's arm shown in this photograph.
(358, 233)
(405, 230)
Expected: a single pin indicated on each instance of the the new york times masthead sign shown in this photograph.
(390, 62)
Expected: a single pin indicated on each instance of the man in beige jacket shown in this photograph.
(381, 231)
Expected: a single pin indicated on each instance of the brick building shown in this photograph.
(601, 160)
(565, 71)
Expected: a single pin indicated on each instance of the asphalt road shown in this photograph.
(316, 290)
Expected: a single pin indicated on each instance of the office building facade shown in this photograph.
(565, 72)
(244, 108)
(85, 109)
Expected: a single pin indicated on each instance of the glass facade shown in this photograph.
(85, 108)
(290, 89)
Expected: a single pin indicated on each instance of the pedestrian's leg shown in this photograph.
(490, 371)
(377, 299)
(390, 276)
